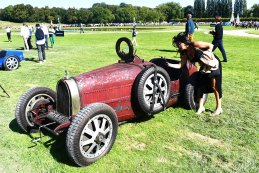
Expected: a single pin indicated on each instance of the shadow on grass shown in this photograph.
(30, 59)
(4, 96)
(13, 125)
(165, 50)
(57, 144)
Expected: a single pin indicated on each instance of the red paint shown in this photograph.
(113, 85)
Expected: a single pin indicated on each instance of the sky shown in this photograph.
(88, 3)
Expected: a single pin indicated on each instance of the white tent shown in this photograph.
(237, 20)
(232, 18)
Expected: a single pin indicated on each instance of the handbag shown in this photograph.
(210, 63)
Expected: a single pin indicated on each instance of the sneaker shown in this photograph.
(44, 60)
(40, 62)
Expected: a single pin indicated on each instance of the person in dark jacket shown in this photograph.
(218, 38)
(189, 27)
(40, 42)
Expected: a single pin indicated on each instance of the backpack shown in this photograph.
(39, 34)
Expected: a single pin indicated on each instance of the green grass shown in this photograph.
(175, 140)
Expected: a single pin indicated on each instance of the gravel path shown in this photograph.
(240, 33)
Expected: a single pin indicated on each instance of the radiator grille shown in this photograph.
(63, 99)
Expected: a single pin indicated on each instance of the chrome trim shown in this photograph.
(74, 94)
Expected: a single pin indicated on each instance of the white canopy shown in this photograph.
(238, 20)
(232, 18)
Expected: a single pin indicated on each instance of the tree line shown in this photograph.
(124, 13)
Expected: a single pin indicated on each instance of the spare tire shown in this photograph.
(152, 95)
(125, 56)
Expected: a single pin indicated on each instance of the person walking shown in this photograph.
(8, 33)
(40, 42)
(210, 73)
(134, 36)
(25, 33)
(218, 38)
(51, 36)
(189, 27)
(81, 28)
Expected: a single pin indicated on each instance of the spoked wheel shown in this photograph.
(11, 63)
(153, 89)
(92, 133)
(35, 102)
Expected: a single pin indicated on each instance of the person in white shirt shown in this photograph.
(8, 33)
(46, 34)
(25, 33)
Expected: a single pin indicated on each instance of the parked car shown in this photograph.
(10, 59)
(90, 105)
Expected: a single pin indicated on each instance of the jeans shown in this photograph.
(41, 52)
(219, 44)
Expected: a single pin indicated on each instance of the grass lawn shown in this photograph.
(175, 140)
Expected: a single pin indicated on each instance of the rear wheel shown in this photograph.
(33, 103)
(191, 100)
(11, 63)
(92, 133)
(190, 93)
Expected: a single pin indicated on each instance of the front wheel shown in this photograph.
(35, 102)
(91, 134)
(11, 63)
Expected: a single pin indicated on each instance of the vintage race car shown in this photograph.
(89, 106)
(10, 59)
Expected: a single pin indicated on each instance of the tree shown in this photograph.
(101, 15)
(210, 10)
(199, 8)
(146, 14)
(240, 7)
(83, 15)
(125, 14)
(255, 10)
(22, 13)
(7, 13)
(71, 16)
(170, 10)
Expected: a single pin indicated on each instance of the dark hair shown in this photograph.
(218, 18)
(37, 25)
(181, 37)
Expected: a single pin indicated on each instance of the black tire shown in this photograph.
(11, 63)
(38, 98)
(143, 88)
(85, 142)
(190, 93)
(127, 57)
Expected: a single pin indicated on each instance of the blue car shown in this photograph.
(10, 59)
